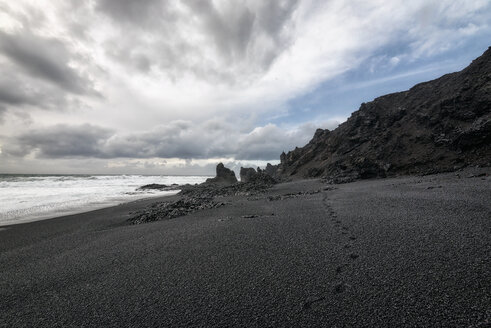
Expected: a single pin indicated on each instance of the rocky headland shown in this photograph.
(437, 126)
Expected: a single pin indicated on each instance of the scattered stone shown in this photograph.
(292, 195)
(339, 288)
(166, 211)
(354, 256)
(477, 175)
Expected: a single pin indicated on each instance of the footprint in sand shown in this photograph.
(312, 300)
(339, 288)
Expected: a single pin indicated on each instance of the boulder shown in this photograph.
(271, 170)
(246, 174)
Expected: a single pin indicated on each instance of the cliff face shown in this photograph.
(436, 126)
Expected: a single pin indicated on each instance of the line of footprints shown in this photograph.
(341, 287)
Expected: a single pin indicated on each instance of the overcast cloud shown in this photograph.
(168, 86)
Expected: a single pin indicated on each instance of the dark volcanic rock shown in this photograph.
(224, 176)
(203, 196)
(436, 126)
(262, 178)
(249, 175)
(271, 170)
(156, 186)
(167, 211)
(258, 184)
(246, 173)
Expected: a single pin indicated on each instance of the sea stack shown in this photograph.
(224, 176)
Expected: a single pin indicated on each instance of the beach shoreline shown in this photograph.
(82, 209)
(408, 251)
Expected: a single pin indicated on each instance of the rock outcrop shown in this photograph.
(271, 170)
(156, 186)
(246, 173)
(224, 176)
(250, 175)
(436, 126)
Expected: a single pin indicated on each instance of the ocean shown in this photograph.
(26, 198)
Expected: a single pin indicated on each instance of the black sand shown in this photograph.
(404, 252)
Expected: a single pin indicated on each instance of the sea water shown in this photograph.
(34, 197)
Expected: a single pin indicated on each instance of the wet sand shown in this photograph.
(402, 252)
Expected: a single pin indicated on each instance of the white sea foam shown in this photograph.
(33, 197)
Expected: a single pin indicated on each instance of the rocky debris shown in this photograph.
(202, 196)
(258, 185)
(156, 186)
(250, 175)
(246, 173)
(166, 211)
(437, 126)
(292, 195)
(262, 178)
(478, 175)
(224, 176)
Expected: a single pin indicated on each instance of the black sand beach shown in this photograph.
(400, 252)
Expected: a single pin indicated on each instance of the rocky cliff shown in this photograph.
(436, 126)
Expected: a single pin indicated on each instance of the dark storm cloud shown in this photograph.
(181, 139)
(44, 58)
(19, 94)
(14, 90)
(178, 139)
(13, 96)
(61, 141)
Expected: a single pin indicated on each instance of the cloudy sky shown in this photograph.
(173, 87)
